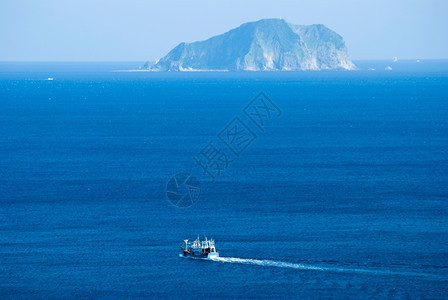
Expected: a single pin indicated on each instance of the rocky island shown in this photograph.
(265, 45)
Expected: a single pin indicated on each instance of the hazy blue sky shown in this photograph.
(138, 30)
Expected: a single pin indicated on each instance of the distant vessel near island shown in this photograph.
(265, 45)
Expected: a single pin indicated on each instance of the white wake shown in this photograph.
(299, 266)
(267, 263)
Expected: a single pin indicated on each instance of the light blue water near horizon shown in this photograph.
(343, 196)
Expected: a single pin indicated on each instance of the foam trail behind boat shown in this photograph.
(267, 263)
(280, 264)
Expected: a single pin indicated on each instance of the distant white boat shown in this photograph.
(418, 60)
(50, 78)
(395, 59)
(388, 68)
(370, 69)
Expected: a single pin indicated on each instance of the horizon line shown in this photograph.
(144, 61)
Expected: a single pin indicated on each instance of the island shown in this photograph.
(264, 45)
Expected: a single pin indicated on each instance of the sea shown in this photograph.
(319, 184)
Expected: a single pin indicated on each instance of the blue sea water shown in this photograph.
(345, 195)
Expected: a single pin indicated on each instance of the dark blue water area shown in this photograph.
(344, 195)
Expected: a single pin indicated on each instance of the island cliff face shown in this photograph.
(265, 45)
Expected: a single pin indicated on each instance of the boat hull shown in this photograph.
(201, 255)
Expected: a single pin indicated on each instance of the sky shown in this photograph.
(141, 30)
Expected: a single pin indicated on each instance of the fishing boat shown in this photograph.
(200, 249)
